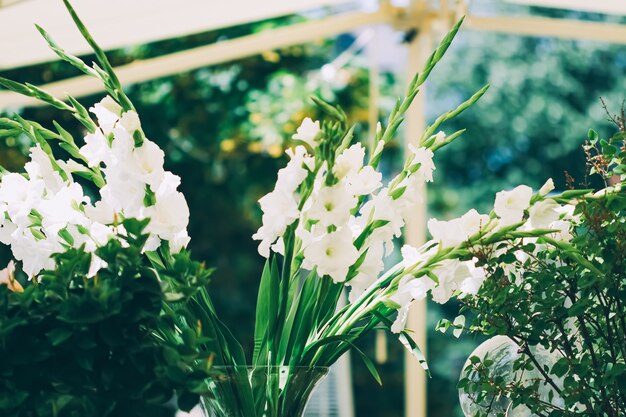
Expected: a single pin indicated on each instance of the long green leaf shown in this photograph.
(298, 324)
(74, 61)
(30, 90)
(115, 87)
(407, 341)
(368, 364)
(263, 313)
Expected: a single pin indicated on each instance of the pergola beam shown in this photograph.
(204, 56)
(5, 3)
(299, 33)
(548, 27)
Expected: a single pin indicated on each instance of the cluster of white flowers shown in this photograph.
(45, 211)
(344, 227)
(342, 220)
(512, 209)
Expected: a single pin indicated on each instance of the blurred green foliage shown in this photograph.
(224, 129)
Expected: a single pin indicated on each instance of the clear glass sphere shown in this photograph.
(504, 352)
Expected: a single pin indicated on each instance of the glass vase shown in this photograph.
(266, 391)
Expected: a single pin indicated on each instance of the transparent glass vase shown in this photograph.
(266, 391)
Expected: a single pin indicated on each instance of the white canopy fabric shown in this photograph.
(616, 7)
(122, 23)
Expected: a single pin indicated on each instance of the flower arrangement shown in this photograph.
(330, 224)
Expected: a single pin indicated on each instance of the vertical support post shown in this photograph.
(373, 58)
(415, 376)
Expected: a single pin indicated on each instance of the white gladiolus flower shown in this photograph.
(101, 233)
(424, 157)
(169, 216)
(399, 323)
(308, 132)
(566, 212)
(542, 213)
(546, 188)
(383, 207)
(510, 205)
(152, 243)
(331, 205)
(471, 285)
(292, 175)
(148, 167)
(359, 180)
(121, 149)
(380, 145)
(279, 246)
(333, 254)
(411, 255)
(358, 285)
(369, 270)
(71, 166)
(409, 290)
(440, 137)
(563, 230)
(34, 254)
(179, 241)
(61, 209)
(108, 113)
(96, 149)
(7, 228)
(350, 161)
(280, 209)
(364, 182)
(357, 225)
(96, 265)
(454, 232)
(20, 196)
(130, 121)
(40, 167)
(450, 273)
(373, 263)
(413, 193)
(84, 237)
(472, 222)
(101, 212)
(42, 214)
(123, 194)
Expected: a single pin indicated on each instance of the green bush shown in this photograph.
(72, 346)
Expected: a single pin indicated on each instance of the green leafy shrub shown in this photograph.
(102, 346)
(561, 307)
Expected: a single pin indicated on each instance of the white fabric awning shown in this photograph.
(616, 7)
(121, 23)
